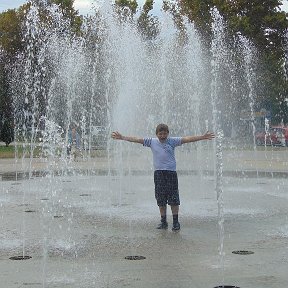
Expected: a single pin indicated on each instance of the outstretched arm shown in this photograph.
(207, 136)
(117, 136)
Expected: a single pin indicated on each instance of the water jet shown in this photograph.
(112, 78)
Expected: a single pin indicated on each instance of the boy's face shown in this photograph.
(162, 135)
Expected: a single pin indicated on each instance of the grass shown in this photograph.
(9, 151)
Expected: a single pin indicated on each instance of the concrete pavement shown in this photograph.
(79, 227)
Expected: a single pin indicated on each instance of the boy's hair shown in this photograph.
(162, 127)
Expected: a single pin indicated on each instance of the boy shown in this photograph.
(165, 176)
(74, 143)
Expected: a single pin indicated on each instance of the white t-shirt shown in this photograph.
(163, 153)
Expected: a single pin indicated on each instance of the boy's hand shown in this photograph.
(209, 135)
(116, 135)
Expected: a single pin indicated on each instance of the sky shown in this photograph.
(84, 6)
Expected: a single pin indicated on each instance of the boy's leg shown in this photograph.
(161, 198)
(163, 210)
(174, 200)
(175, 211)
(163, 214)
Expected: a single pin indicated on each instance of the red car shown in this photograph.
(276, 136)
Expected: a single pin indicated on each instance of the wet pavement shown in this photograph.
(78, 229)
(267, 162)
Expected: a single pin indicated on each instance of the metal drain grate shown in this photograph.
(85, 195)
(226, 286)
(243, 252)
(20, 257)
(30, 211)
(135, 257)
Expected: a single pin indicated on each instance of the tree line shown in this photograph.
(261, 21)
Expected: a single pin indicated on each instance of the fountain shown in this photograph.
(89, 216)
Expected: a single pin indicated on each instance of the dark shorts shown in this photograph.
(166, 188)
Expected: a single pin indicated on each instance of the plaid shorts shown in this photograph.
(166, 188)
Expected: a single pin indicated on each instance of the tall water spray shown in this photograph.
(113, 78)
(219, 53)
(224, 92)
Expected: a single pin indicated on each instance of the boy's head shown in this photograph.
(162, 132)
(162, 128)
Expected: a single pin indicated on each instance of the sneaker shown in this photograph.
(163, 225)
(176, 226)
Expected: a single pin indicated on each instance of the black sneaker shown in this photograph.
(176, 226)
(162, 225)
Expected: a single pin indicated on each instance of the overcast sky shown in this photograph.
(84, 6)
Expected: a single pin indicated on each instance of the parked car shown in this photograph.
(275, 136)
(99, 137)
(98, 130)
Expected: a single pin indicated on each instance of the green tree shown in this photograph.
(10, 32)
(6, 111)
(263, 23)
(198, 11)
(148, 25)
(70, 13)
(266, 26)
(7, 132)
(260, 20)
(12, 44)
(131, 5)
(11, 22)
(126, 9)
